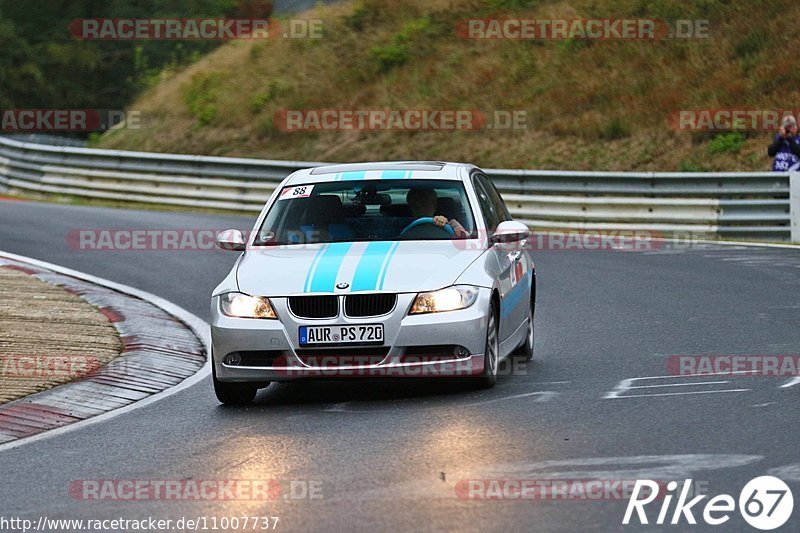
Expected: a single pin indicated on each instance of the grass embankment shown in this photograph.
(589, 104)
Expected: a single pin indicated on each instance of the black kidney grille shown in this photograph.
(358, 305)
(314, 306)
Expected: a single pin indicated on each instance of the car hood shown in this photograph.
(407, 266)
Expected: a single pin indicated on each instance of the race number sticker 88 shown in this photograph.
(299, 191)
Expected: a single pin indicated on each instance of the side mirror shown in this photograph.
(510, 231)
(232, 240)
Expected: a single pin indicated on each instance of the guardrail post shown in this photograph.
(794, 204)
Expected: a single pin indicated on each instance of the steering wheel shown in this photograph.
(428, 220)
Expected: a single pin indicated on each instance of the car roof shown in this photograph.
(380, 170)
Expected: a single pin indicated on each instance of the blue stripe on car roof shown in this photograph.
(352, 176)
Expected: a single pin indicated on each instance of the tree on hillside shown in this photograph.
(43, 66)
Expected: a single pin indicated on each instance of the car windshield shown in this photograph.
(367, 210)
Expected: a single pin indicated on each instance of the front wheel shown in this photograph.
(234, 393)
(491, 354)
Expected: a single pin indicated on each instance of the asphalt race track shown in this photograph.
(389, 454)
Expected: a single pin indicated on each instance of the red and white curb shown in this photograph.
(164, 351)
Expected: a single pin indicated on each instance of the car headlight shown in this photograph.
(448, 299)
(238, 305)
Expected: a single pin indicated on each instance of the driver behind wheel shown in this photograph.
(423, 204)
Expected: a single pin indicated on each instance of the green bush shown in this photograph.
(751, 44)
(265, 126)
(689, 166)
(364, 14)
(616, 129)
(573, 45)
(390, 56)
(726, 142)
(398, 51)
(275, 89)
(200, 96)
(93, 139)
(511, 4)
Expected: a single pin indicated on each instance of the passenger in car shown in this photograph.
(325, 219)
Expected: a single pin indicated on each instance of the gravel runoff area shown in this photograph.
(48, 335)
(73, 347)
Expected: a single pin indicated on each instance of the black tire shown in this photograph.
(491, 354)
(525, 352)
(234, 393)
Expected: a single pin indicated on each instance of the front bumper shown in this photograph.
(406, 350)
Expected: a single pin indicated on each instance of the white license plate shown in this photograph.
(363, 333)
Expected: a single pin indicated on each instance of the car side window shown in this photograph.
(490, 215)
(494, 196)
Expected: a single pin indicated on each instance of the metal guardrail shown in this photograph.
(748, 205)
(46, 138)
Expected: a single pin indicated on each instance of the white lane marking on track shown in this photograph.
(681, 393)
(627, 384)
(608, 468)
(338, 407)
(544, 396)
(788, 472)
(633, 467)
(200, 328)
(791, 383)
(693, 384)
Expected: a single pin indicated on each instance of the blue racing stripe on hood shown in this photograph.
(324, 277)
(369, 266)
(385, 265)
(307, 284)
